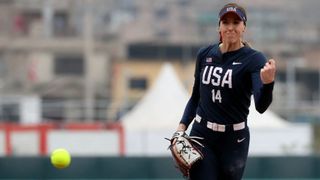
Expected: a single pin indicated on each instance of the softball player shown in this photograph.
(226, 75)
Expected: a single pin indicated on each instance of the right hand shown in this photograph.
(181, 127)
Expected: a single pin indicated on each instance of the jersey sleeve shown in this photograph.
(191, 107)
(262, 92)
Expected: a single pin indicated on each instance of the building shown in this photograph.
(80, 57)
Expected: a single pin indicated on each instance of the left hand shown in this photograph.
(268, 72)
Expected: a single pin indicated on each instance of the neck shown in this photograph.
(227, 47)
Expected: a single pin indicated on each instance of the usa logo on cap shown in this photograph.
(241, 14)
(234, 9)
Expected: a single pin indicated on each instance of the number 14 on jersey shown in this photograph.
(216, 95)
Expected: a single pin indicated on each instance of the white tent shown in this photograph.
(272, 135)
(266, 120)
(156, 116)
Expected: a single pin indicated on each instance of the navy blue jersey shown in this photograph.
(224, 84)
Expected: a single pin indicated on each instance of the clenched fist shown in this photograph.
(268, 72)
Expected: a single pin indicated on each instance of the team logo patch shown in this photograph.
(209, 59)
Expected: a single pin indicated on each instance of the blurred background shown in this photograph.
(109, 79)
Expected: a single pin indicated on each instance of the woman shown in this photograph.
(226, 75)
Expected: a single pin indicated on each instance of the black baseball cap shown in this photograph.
(233, 8)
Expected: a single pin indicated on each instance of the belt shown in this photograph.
(221, 127)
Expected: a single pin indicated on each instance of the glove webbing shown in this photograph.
(183, 134)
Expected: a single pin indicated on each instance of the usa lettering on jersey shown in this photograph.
(218, 77)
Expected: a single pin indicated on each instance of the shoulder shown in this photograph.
(205, 49)
(256, 58)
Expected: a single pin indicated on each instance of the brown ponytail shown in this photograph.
(246, 43)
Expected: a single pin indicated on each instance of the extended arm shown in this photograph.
(191, 107)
